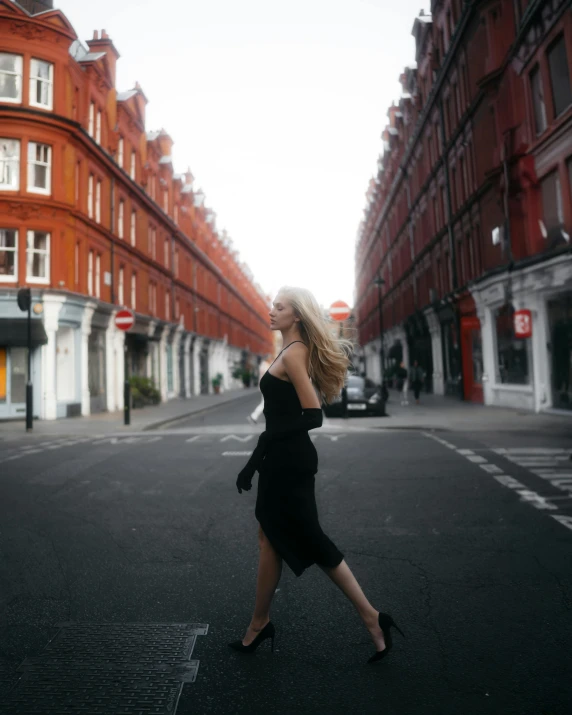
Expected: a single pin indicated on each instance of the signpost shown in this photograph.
(340, 310)
(523, 324)
(25, 303)
(125, 320)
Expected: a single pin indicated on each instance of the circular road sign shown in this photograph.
(124, 319)
(340, 310)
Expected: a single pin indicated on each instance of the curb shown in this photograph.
(201, 411)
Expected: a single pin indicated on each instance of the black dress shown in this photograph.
(285, 503)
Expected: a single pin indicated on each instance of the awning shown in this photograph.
(14, 333)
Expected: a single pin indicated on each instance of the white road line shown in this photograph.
(236, 454)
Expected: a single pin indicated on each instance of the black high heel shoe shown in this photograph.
(385, 622)
(267, 632)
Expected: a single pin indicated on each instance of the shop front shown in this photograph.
(420, 349)
(14, 365)
(559, 312)
(450, 350)
(472, 354)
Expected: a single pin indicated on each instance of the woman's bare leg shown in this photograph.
(269, 572)
(342, 576)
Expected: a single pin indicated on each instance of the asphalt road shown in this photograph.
(466, 542)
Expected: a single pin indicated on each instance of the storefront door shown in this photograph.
(13, 375)
(560, 320)
(472, 356)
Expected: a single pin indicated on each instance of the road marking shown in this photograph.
(236, 454)
(564, 520)
(195, 438)
(238, 439)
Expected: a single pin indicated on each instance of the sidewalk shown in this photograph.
(145, 418)
(450, 413)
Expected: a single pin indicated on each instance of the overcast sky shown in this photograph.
(276, 107)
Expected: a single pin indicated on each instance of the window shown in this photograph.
(120, 289)
(177, 309)
(90, 196)
(77, 175)
(538, 100)
(176, 214)
(76, 265)
(98, 202)
(42, 84)
(152, 242)
(559, 76)
(177, 262)
(166, 252)
(90, 273)
(8, 254)
(569, 164)
(9, 164)
(166, 202)
(133, 230)
(39, 168)
(98, 127)
(132, 168)
(121, 218)
(133, 290)
(436, 214)
(552, 211)
(10, 78)
(120, 152)
(513, 354)
(91, 125)
(98, 276)
(38, 257)
(167, 306)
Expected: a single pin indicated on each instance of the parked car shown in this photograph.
(363, 395)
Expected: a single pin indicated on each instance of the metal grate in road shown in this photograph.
(116, 669)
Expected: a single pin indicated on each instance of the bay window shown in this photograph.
(9, 164)
(8, 254)
(38, 257)
(39, 168)
(559, 76)
(10, 78)
(42, 84)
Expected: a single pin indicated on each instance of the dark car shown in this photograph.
(364, 397)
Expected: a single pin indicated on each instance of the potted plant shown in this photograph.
(216, 383)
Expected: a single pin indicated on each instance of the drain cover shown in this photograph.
(111, 668)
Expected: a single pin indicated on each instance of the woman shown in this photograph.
(287, 461)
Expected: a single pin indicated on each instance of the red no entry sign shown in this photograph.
(124, 319)
(340, 310)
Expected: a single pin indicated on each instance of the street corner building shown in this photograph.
(93, 219)
(469, 218)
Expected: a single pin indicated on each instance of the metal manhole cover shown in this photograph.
(111, 668)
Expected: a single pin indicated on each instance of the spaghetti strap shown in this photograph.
(284, 348)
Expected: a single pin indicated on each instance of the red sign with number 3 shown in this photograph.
(523, 324)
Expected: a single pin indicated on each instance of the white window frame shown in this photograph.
(98, 127)
(121, 286)
(90, 273)
(91, 123)
(31, 251)
(14, 163)
(98, 276)
(121, 219)
(35, 79)
(18, 75)
(133, 291)
(33, 162)
(90, 183)
(5, 249)
(98, 201)
(133, 228)
(133, 165)
(121, 152)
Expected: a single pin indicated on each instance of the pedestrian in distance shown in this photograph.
(310, 369)
(417, 377)
(255, 414)
(402, 382)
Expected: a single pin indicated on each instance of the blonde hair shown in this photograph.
(329, 355)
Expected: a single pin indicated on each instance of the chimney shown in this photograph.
(34, 7)
(105, 44)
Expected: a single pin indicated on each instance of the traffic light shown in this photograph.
(24, 299)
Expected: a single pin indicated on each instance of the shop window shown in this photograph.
(10, 78)
(559, 76)
(39, 168)
(513, 365)
(538, 104)
(8, 254)
(552, 210)
(9, 164)
(42, 84)
(38, 257)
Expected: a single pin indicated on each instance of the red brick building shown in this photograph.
(469, 217)
(92, 218)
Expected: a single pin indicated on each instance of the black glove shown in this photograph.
(311, 418)
(244, 479)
